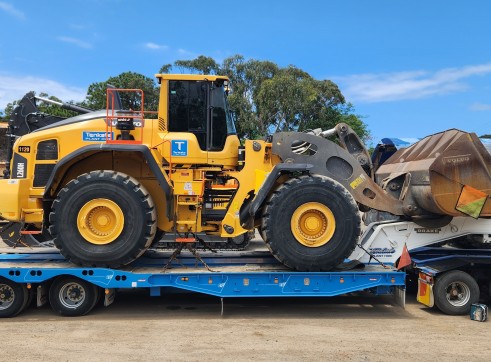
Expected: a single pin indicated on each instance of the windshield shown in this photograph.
(222, 123)
(230, 117)
(219, 101)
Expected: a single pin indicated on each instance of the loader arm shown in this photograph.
(335, 162)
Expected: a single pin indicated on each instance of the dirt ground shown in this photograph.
(190, 327)
(138, 327)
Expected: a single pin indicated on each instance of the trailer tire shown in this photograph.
(72, 297)
(14, 298)
(311, 223)
(103, 219)
(455, 291)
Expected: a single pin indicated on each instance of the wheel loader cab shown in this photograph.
(195, 118)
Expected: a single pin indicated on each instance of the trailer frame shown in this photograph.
(256, 274)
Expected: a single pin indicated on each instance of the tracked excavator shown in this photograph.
(103, 185)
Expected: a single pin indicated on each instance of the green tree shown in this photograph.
(293, 100)
(166, 69)
(246, 78)
(202, 65)
(267, 97)
(96, 93)
(9, 108)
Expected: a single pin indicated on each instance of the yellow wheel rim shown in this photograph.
(313, 224)
(100, 221)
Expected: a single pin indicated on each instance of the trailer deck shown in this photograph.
(255, 274)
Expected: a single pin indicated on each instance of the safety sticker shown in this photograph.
(89, 136)
(357, 182)
(179, 148)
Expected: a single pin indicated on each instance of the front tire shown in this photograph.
(103, 219)
(455, 291)
(311, 223)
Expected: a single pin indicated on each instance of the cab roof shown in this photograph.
(212, 78)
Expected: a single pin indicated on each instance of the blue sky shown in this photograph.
(411, 68)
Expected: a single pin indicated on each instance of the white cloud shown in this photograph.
(383, 87)
(75, 41)
(480, 107)
(13, 88)
(9, 8)
(154, 46)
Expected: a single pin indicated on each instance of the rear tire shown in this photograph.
(72, 297)
(103, 219)
(14, 298)
(311, 223)
(455, 291)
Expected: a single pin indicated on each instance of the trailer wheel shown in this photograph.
(311, 223)
(72, 297)
(455, 291)
(13, 298)
(103, 218)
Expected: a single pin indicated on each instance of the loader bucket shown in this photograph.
(448, 173)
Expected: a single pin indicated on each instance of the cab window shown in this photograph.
(187, 108)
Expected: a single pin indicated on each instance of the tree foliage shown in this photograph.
(165, 69)
(96, 94)
(8, 110)
(267, 97)
(202, 65)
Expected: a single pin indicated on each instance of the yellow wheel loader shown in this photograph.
(105, 183)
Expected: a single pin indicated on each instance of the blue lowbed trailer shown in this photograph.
(73, 290)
